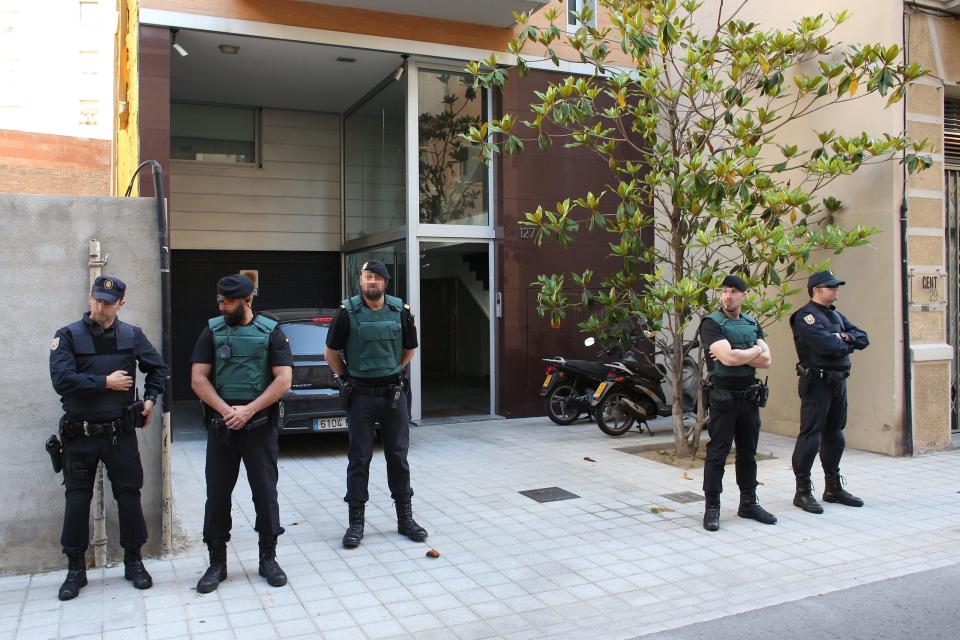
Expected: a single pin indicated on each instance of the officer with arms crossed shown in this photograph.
(375, 334)
(736, 350)
(824, 339)
(92, 364)
(242, 366)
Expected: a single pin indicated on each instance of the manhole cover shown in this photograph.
(683, 497)
(549, 494)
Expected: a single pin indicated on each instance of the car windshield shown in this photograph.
(306, 338)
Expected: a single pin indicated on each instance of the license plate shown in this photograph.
(324, 424)
(599, 391)
(546, 383)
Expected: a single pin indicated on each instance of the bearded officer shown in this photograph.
(92, 364)
(736, 349)
(242, 366)
(375, 334)
(824, 339)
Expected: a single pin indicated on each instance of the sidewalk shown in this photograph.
(598, 566)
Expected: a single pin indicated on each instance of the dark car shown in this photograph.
(313, 402)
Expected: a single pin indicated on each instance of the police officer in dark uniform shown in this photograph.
(736, 349)
(242, 366)
(375, 334)
(824, 339)
(92, 364)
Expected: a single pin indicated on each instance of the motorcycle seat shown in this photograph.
(588, 368)
(655, 372)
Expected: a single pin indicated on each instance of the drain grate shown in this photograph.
(549, 494)
(684, 497)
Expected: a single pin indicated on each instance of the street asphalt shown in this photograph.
(918, 606)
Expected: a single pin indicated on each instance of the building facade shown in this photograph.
(300, 138)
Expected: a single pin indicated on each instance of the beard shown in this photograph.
(235, 317)
(372, 292)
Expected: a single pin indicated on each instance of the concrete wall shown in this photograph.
(43, 256)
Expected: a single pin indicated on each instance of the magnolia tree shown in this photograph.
(687, 114)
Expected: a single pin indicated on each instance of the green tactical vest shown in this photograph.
(246, 373)
(375, 344)
(741, 333)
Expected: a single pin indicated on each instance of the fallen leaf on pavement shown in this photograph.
(686, 476)
(659, 509)
(433, 553)
(295, 523)
(588, 459)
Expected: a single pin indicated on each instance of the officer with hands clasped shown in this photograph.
(736, 349)
(824, 339)
(242, 366)
(92, 365)
(371, 340)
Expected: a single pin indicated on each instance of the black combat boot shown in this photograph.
(134, 570)
(711, 513)
(750, 508)
(269, 568)
(833, 491)
(354, 534)
(406, 525)
(76, 576)
(804, 496)
(217, 571)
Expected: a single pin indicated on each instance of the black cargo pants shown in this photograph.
(258, 449)
(823, 415)
(81, 455)
(363, 412)
(733, 420)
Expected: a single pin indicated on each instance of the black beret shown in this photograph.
(108, 288)
(824, 279)
(377, 267)
(735, 282)
(235, 286)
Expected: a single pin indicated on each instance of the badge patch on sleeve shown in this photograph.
(809, 319)
(55, 343)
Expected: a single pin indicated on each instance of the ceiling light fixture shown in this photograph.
(398, 72)
(229, 49)
(176, 47)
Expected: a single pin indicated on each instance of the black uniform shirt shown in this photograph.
(812, 337)
(711, 332)
(279, 354)
(340, 330)
(68, 380)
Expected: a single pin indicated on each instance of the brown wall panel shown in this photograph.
(524, 181)
(154, 58)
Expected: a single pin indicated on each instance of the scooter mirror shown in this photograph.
(589, 342)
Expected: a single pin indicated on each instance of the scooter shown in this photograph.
(633, 391)
(569, 385)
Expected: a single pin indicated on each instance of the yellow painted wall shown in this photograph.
(127, 138)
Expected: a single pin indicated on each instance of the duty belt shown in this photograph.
(74, 429)
(374, 391)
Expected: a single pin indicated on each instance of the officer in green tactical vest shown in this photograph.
(735, 350)
(371, 340)
(242, 366)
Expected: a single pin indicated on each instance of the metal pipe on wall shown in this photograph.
(99, 542)
(163, 239)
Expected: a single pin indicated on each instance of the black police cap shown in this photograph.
(235, 286)
(735, 282)
(108, 288)
(377, 267)
(824, 279)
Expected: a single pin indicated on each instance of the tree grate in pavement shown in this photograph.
(549, 494)
(684, 497)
